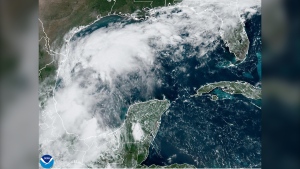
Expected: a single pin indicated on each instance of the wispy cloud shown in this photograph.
(103, 69)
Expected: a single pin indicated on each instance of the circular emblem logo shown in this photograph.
(46, 161)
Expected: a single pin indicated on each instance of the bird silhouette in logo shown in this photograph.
(46, 161)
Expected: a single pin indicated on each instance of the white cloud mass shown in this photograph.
(137, 131)
(81, 121)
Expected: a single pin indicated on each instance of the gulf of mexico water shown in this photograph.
(198, 131)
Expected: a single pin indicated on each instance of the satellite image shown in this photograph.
(150, 83)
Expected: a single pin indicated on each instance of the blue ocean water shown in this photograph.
(224, 133)
(247, 75)
(104, 23)
(198, 131)
(259, 64)
(221, 94)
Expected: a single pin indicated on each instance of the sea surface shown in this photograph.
(197, 130)
(205, 133)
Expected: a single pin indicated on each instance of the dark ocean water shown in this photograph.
(104, 23)
(198, 131)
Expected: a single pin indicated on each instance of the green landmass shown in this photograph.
(236, 40)
(47, 71)
(237, 87)
(214, 97)
(148, 115)
(105, 7)
(60, 16)
(132, 152)
(44, 59)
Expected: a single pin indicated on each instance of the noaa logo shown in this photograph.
(46, 161)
